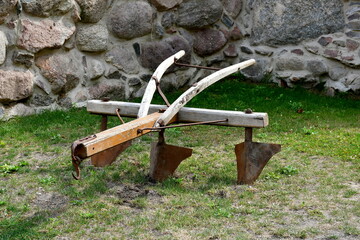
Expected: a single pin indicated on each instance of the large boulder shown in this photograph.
(15, 86)
(64, 71)
(92, 10)
(35, 36)
(209, 41)
(123, 58)
(131, 19)
(232, 7)
(289, 22)
(6, 6)
(3, 43)
(163, 5)
(113, 89)
(199, 13)
(92, 38)
(153, 53)
(46, 8)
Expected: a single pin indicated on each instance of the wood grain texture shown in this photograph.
(235, 118)
(151, 87)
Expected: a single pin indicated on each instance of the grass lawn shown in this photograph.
(311, 189)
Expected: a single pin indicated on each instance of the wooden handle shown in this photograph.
(151, 87)
(198, 87)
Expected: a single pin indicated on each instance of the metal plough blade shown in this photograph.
(251, 159)
(166, 158)
(107, 157)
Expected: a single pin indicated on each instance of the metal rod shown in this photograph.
(118, 114)
(248, 134)
(161, 92)
(195, 66)
(182, 125)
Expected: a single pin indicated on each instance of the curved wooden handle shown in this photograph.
(198, 87)
(151, 87)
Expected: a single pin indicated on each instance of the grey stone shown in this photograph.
(208, 41)
(41, 100)
(35, 36)
(231, 51)
(131, 19)
(339, 43)
(61, 70)
(336, 73)
(246, 49)
(46, 8)
(3, 43)
(353, 34)
(232, 7)
(19, 109)
(228, 22)
(153, 53)
(257, 71)
(92, 38)
(316, 67)
(113, 74)
(92, 10)
(289, 63)
(168, 19)
(15, 86)
(163, 5)
(95, 69)
(6, 6)
(199, 13)
(123, 58)
(113, 89)
(134, 82)
(158, 31)
(289, 22)
(24, 58)
(354, 25)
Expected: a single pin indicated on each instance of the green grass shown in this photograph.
(309, 190)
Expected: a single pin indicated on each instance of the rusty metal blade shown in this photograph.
(251, 159)
(165, 159)
(108, 156)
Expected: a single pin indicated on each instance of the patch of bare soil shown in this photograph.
(127, 193)
(52, 202)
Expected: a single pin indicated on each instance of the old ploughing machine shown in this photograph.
(104, 147)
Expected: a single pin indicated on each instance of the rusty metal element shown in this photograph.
(165, 158)
(157, 82)
(181, 125)
(251, 158)
(194, 66)
(119, 116)
(108, 156)
(76, 160)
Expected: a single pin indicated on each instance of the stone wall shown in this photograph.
(57, 53)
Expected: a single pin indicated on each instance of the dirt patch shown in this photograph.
(51, 201)
(129, 193)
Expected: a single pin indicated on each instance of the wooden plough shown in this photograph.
(105, 146)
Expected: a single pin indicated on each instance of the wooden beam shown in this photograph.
(115, 136)
(235, 118)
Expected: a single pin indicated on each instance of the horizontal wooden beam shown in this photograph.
(235, 118)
